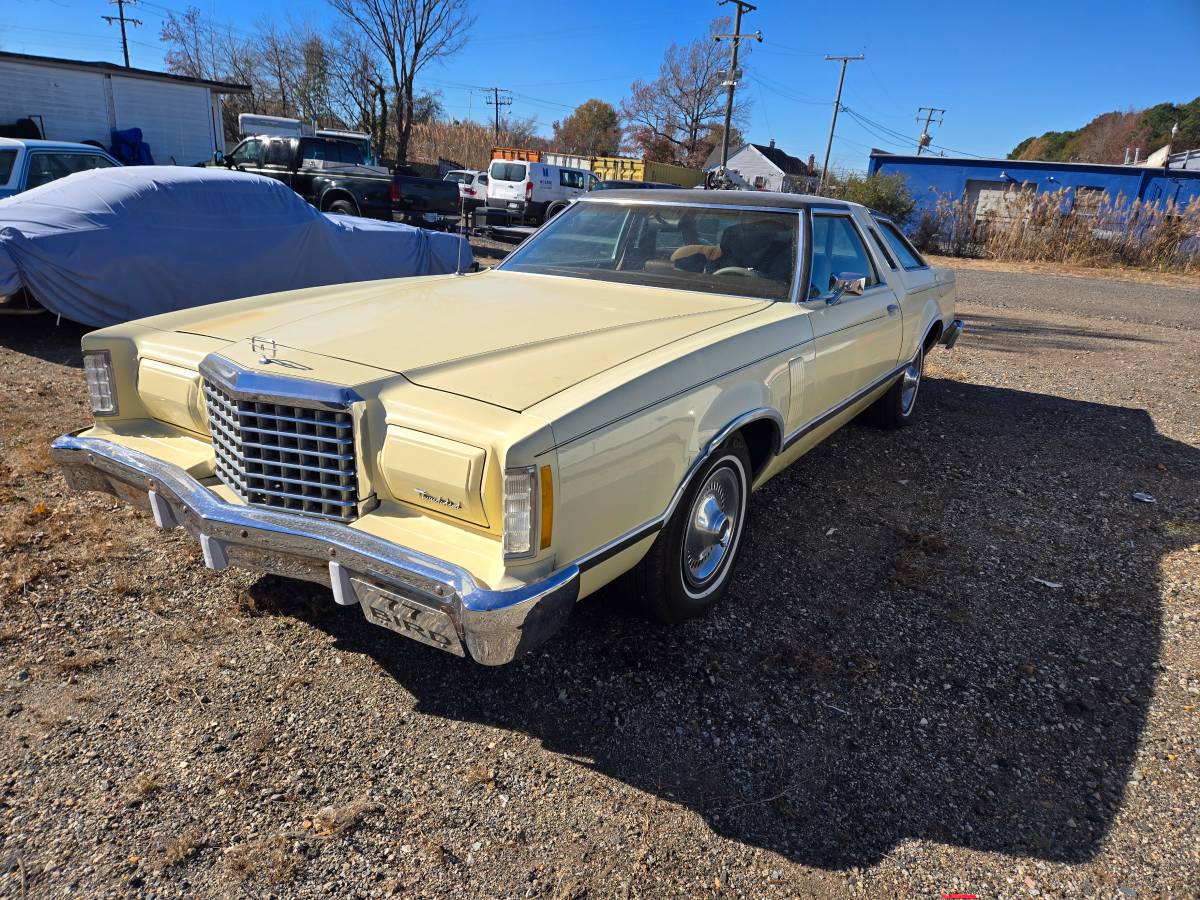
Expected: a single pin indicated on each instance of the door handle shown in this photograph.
(893, 309)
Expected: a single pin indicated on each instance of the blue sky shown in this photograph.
(1003, 72)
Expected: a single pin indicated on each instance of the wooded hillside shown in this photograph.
(1104, 139)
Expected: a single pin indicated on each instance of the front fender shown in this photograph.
(623, 480)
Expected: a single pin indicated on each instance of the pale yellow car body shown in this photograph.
(619, 389)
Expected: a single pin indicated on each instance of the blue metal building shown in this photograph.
(986, 183)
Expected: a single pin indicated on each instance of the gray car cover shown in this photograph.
(110, 245)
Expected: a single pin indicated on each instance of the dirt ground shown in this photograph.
(957, 658)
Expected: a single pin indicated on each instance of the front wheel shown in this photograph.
(688, 569)
(897, 408)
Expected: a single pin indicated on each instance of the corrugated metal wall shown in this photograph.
(177, 120)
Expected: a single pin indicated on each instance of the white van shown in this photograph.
(536, 191)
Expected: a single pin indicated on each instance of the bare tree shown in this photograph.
(359, 89)
(670, 118)
(408, 35)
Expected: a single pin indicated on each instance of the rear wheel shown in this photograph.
(688, 569)
(897, 408)
(343, 208)
(554, 210)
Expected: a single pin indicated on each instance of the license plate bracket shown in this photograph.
(407, 616)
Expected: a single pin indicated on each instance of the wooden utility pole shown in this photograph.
(120, 17)
(498, 101)
(732, 75)
(925, 139)
(837, 104)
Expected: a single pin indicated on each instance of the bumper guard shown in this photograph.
(420, 596)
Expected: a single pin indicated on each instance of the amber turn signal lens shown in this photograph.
(547, 484)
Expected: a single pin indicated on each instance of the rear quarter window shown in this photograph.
(905, 252)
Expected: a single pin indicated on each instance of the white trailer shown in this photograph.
(180, 117)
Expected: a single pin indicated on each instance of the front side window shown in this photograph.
(47, 167)
(247, 153)
(905, 252)
(508, 171)
(837, 248)
(747, 253)
(8, 159)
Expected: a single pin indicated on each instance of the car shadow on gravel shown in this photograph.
(948, 633)
(40, 336)
(1018, 334)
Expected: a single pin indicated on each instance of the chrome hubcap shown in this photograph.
(711, 525)
(910, 381)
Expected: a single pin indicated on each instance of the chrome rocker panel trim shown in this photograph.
(496, 626)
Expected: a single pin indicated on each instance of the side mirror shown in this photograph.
(219, 158)
(844, 283)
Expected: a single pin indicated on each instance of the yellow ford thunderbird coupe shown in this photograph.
(466, 456)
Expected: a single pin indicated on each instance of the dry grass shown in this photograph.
(1056, 226)
(268, 859)
(144, 785)
(180, 848)
(480, 774)
(1040, 267)
(466, 143)
(10, 631)
(124, 584)
(82, 662)
(332, 820)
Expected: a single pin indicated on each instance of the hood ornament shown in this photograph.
(263, 347)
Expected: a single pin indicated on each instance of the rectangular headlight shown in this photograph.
(520, 511)
(102, 386)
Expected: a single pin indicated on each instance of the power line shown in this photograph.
(732, 75)
(836, 106)
(120, 17)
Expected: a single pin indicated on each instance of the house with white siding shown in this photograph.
(74, 100)
(766, 167)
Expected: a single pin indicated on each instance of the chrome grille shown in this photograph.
(283, 456)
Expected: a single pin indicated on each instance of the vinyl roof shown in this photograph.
(774, 199)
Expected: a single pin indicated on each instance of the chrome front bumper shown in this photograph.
(420, 596)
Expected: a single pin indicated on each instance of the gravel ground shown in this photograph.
(955, 658)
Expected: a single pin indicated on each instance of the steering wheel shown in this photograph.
(740, 271)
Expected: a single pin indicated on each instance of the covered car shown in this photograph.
(107, 246)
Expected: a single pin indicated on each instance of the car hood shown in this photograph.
(504, 338)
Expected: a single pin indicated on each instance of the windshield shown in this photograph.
(713, 249)
(508, 171)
